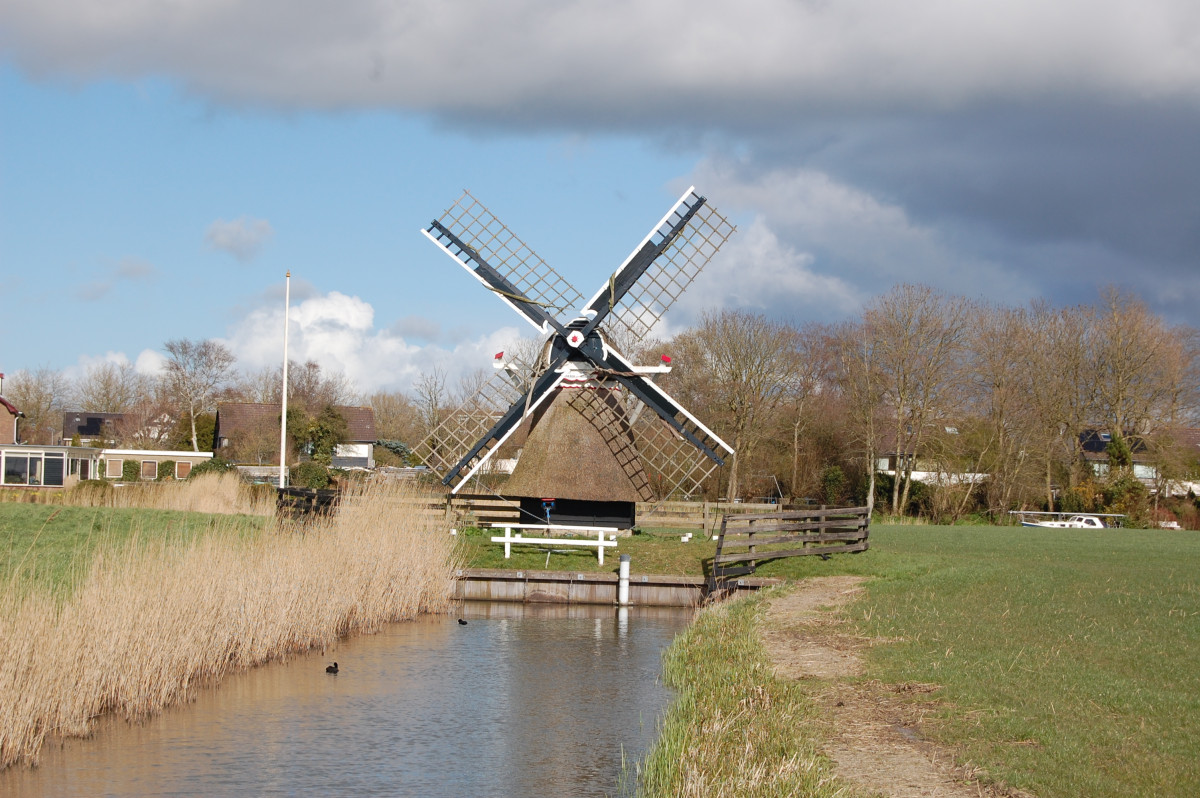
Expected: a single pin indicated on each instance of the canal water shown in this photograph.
(524, 700)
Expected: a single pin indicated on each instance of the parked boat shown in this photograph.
(1069, 520)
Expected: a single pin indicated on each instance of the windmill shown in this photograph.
(599, 434)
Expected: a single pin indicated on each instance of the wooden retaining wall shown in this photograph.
(572, 587)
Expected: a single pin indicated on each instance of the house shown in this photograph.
(149, 462)
(926, 467)
(47, 466)
(141, 429)
(8, 420)
(1093, 445)
(248, 432)
(91, 427)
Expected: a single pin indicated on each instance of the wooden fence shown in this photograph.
(747, 539)
(705, 516)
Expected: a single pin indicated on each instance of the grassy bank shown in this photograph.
(1065, 662)
(159, 614)
(734, 729)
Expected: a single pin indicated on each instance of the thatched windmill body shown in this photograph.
(596, 433)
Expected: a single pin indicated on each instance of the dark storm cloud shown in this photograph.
(1003, 150)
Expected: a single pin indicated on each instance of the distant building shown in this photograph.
(91, 427)
(251, 429)
(8, 421)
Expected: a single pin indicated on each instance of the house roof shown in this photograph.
(1094, 445)
(1187, 437)
(236, 417)
(87, 424)
(9, 406)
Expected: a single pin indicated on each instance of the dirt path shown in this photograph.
(876, 737)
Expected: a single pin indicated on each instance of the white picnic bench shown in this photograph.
(606, 537)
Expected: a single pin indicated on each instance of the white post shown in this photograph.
(507, 541)
(600, 548)
(287, 302)
(623, 581)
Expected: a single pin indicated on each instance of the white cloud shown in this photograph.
(820, 246)
(338, 332)
(241, 237)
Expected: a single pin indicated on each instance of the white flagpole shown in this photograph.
(287, 302)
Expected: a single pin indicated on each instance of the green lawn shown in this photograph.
(654, 551)
(50, 546)
(1068, 658)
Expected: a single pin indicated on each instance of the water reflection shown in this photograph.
(523, 700)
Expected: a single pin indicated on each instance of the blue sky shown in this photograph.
(162, 167)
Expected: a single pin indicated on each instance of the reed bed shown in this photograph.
(206, 493)
(152, 621)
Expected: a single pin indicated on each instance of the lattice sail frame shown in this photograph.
(640, 310)
(674, 465)
(479, 229)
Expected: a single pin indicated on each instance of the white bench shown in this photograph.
(601, 542)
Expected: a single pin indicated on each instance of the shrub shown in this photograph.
(166, 470)
(833, 481)
(309, 475)
(213, 466)
(131, 471)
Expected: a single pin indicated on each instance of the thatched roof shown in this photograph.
(579, 446)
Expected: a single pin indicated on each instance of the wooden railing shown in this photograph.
(746, 539)
(705, 516)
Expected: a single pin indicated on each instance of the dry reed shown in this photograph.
(206, 493)
(152, 621)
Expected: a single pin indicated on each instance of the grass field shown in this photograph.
(655, 551)
(52, 546)
(1066, 659)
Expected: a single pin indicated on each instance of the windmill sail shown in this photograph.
(602, 404)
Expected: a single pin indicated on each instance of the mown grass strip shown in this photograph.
(734, 729)
(1067, 657)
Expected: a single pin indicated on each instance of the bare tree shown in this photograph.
(432, 399)
(311, 387)
(861, 385)
(194, 372)
(1145, 370)
(111, 388)
(918, 335)
(42, 395)
(997, 388)
(813, 370)
(747, 366)
(1058, 353)
(396, 418)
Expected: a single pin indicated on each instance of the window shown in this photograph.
(52, 473)
(16, 469)
(112, 468)
(182, 469)
(149, 469)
